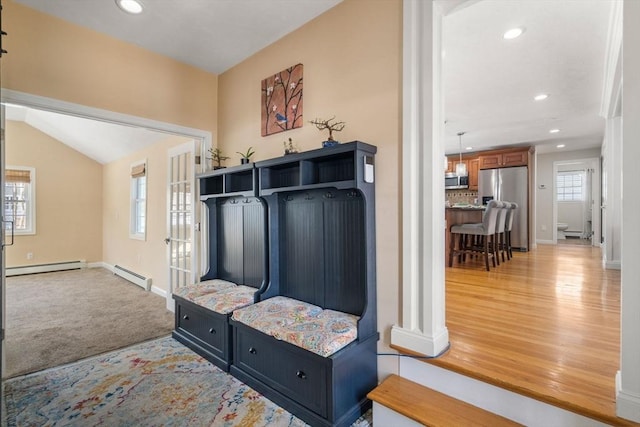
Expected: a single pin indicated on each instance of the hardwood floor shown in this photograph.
(545, 324)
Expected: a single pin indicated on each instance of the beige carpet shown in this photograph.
(57, 318)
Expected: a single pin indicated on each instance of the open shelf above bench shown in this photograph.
(227, 182)
(340, 166)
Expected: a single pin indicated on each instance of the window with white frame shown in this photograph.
(20, 199)
(138, 226)
(570, 186)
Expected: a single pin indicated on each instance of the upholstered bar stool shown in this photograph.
(508, 228)
(465, 234)
(499, 241)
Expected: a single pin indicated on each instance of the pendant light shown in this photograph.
(461, 168)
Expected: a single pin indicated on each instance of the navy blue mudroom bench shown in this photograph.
(308, 339)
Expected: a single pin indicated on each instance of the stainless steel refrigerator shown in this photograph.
(511, 185)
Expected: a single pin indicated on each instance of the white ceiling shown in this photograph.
(489, 83)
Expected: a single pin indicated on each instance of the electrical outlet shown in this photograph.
(29, 255)
(543, 227)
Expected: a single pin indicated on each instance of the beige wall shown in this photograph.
(56, 59)
(148, 257)
(68, 199)
(352, 59)
(352, 69)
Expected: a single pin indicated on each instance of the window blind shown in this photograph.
(138, 171)
(15, 175)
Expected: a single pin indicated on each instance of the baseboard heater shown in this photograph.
(135, 278)
(45, 268)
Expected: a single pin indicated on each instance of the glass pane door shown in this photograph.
(180, 216)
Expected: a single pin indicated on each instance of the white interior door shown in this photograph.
(180, 218)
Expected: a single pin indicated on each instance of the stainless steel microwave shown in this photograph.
(455, 182)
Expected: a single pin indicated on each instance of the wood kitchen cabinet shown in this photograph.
(474, 167)
(504, 158)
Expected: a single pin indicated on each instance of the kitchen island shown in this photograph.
(459, 215)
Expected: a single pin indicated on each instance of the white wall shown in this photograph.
(572, 214)
(545, 223)
(628, 384)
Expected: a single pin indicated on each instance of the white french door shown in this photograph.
(180, 218)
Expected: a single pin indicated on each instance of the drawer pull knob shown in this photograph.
(301, 375)
(252, 350)
(212, 331)
(185, 317)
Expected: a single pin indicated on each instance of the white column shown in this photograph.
(628, 380)
(610, 109)
(423, 327)
(613, 200)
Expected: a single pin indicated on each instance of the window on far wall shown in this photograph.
(138, 223)
(20, 199)
(570, 186)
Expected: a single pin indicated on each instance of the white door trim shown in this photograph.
(594, 163)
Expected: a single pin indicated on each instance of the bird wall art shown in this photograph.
(282, 101)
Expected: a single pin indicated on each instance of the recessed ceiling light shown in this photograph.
(513, 33)
(541, 97)
(560, 146)
(469, 148)
(130, 6)
(554, 131)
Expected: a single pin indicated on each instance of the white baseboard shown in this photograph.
(627, 405)
(613, 265)
(159, 291)
(418, 342)
(171, 305)
(545, 242)
(100, 264)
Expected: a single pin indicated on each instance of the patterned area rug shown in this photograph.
(157, 383)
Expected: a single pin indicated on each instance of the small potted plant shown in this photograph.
(246, 156)
(217, 157)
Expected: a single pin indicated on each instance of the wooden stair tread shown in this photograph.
(431, 408)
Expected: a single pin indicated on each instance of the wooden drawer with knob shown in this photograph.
(323, 391)
(204, 331)
(282, 367)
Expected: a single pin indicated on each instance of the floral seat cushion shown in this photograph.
(193, 291)
(227, 300)
(270, 315)
(323, 332)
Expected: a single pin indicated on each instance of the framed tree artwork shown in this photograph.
(282, 101)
